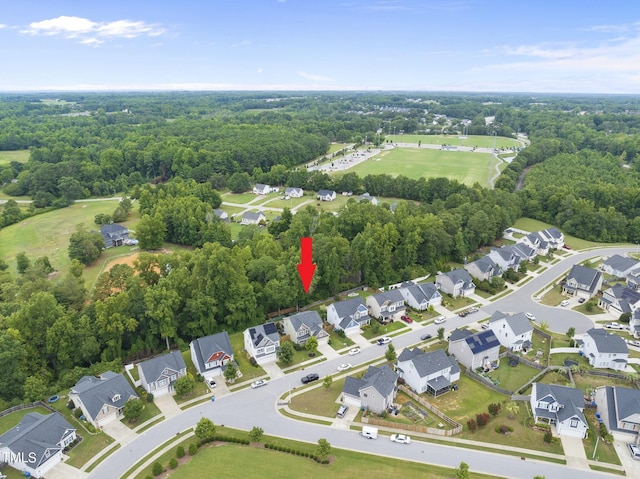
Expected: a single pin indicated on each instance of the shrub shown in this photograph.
(157, 469)
(70, 405)
(548, 437)
(149, 397)
(504, 429)
(472, 424)
(173, 463)
(193, 449)
(77, 412)
(494, 408)
(253, 362)
(180, 452)
(482, 419)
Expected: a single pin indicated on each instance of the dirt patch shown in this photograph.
(129, 259)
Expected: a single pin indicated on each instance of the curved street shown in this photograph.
(257, 407)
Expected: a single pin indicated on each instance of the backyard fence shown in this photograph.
(32, 405)
(487, 382)
(456, 426)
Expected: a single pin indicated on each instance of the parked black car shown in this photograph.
(310, 377)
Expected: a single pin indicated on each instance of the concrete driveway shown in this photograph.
(273, 370)
(631, 467)
(574, 453)
(167, 405)
(119, 432)
(65, 471)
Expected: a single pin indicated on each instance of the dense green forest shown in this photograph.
(172, 153)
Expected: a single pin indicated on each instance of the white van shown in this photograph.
(369, 432)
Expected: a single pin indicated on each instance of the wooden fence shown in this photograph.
(32, 405)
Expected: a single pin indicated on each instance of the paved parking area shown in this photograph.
(65, 471)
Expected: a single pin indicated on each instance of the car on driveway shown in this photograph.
(635, 451)
(424, 337)
(310, 378)
(211, 383)
(530, 316)
(400, 438)
(384, 340)
(258, 383)
(344, 367)
(564, 302)
(354, 351)
(439, 320)
(581, 300)
(406, 319)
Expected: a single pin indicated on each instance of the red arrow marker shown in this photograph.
(306, 268)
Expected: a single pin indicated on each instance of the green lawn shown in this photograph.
(291, 203)
(150, 410)
(480, 141)
(21, 156)
(320, 401)
(553, 297)
(245, 198)
(369, 333)
(464, 166)
(587, 382)
(248, 371)
(512, 378)
(605, 452)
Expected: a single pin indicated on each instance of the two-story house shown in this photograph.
(260, 189)
(483, 269)
(619, 266)
(619, 299)
(211, 354)
(433, 372)
(582, 282)
(326, 195)
(158, 374)
(114, 235)
(302, 326)
(421, 296)
(561, 406)
(513, 331)
(386, 306)
(604, 350)
(619, 409)
(348, 315)
(505, 257)
(102, 398)
(374, 392)
(634, 324)
(262, 342)
(475, 350)
(456, 283)
(545, 240)
(292, 192)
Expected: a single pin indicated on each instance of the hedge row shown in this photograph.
(297, 452)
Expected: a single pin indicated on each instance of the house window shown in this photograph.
(364, 394)
(269, 349)
(574, 423)
(115, 398)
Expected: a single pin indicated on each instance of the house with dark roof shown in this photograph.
(513, 331)
(559, 406)
(633, 279)
(262, 342)
(326, 195)
(457, 283)
(302, 326)
(158, 374)
(483, 269)
(253, 218)
(474, 350)
(114, 235)
(211, 354)
(634, 324)
(421, 296)
(36, 444)
(102, 398)
(349, 315)
(619, 266)
(375, 391)
(221, 214)
(294, 192)
(386, 306)
(619, 408)
(604, 350)
(506, 257)
(582, 282)
(433, 372)
(619, 299)
(260, 189)
(544, 240)
(368, 199)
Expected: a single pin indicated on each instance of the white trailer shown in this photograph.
(369, 432)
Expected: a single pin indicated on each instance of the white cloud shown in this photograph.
(260, 70)
(243, 43)
(3, 25)
(89, 32)
(310, 76)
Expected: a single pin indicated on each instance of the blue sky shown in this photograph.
(570, 46)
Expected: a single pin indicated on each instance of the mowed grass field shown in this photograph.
(21, 156)
(479, 141)
(464, 166)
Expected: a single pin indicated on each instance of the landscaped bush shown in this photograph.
(482, 419)
(193, 449)
(77, 412)
(70, 405)
(173, 463)
(180, 452)
(157, 469)
(504, 429)
(472, 424)
(548, 437)
(494, 408)
(253, 362)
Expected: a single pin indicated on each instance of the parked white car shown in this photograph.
(530, 316)
(354, 351)
(344, 367)
(400, 439)
(439, 320)
(384, 340)
(258, 383)
(564, 302)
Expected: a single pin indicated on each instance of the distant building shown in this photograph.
(114, 235)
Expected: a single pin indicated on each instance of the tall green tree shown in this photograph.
(151, 231)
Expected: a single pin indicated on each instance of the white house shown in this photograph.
(483, 269)
(513, 332)
(421, 296)
(634, 324)
(211, 354)
(619, 266)
(544, 240)
(582, 282)
(294, 192)
(375, 391)
(260, 189)
(158, 374)
(348, 315)
(561, 406)
(368, 198)
(302, 326)
(386, 306)
(251, 218)
(619, 299)
(456, 283)
(433, 372)
(619, 409)
(506, 257)
(262, 342)
(37, 443)
(326, 195)
(222, 215)
(474, 350)
(604, 349)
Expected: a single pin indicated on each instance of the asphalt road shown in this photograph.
(257, 407)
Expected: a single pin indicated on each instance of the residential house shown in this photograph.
(375, 391)
(475, 350)
(506, 257)
(582, 282)
(604, 350)
(302, 326)
(262, 342)
(634, 324)
(543, 241)
(102, 398)
(433, 372)
(348, 315)
(483, 269)
(368, 198)
(260, 189)
(221, 214)
(211, 354)
(114, 235)
(633, 279)
(36, 444)
(158, 374)
(421, 296)
(513, 331)
(326, 195)
(251, 218)
(386, 306)
(523, 251)
(456, 283)
(619, 299)
(619, 408)
(561, 406)
(619, 266)
(294, 192)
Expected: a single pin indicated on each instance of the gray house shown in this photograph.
(604, 350)
(619, 408)
(421, 296)
(513, 331)
(102, 398)
(582, 282)
(158, 374)
(386, 306)
(433, 372)
(368, 199)
(294, 192)
(36, 444)
(262, 342)
(483, 269)
(473, 351)
(302, 326)
(619, 299)
(348, 315)
(561, 406)
(211, 354)
(375, 391)
(456, 283)
(252, 218)
(619, 266)
(507, 257)
(114, 235)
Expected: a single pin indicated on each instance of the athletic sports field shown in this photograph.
(455, 140)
